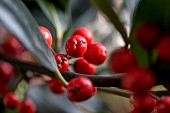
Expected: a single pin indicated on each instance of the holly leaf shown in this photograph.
(19, 21)
(106, 7)
(59, 17)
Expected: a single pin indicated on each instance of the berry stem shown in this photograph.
(61, 78)
(161, 93)
(98, 81)
(155, 97)
(52, 50)
(116, 91)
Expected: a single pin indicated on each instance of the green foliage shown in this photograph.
(58, 17)
(22, 24)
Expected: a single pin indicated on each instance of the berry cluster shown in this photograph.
(11, 101)
(80, 45)
(150, 37)
(7, 71)
(137, 78)
(12, 47)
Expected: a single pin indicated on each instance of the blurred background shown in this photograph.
(82, 13)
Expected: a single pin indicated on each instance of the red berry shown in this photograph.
(163, 48)
(87, 34)
(6, 71)
(121, 60)
(138, 80)
(55, 86)
(144, 104)
(4, 87)
(62, 62)
(96, 53)
(163, 105)
(147, 35)
(84, 67)
(79, 89)
(27, 106)
(12, 47)
(11, 101)
(167, 86)
(76, 46)
(47, 35)
(94, 90)
(135, 111)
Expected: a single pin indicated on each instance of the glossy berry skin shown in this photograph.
(76, 46)
(46, 34)
(12, 47)
(84, 32)
(163, 105)
(27, 106)
(11, 101)
(6, 71)
(135, 111)
(122, 60)
(79, 89)
(147, 35)
(55, 86)
(94, 90)
(84, 67)
(139, 80)
(163, 48)
(96, 53)
(62, 62)
(144, 104)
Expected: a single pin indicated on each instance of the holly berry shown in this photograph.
(76, 46)
(62, 62)
(94, 90)
(138, 80)
(11, 100)
(84, 67)
(47, 35)
(163, 105)
(6, 71)
(79, 89)
(27, 106)
(122, 60)
(55, 86)
(135, 111)
(4, 87)
(84, 32)
(144, 104)
(96, 53)
(147, 35)
(167, 86)
(12, 47)
(163, 48)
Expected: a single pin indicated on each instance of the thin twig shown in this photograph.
(99, 81)
(116, 91)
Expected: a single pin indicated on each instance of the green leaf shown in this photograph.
(156, 11)
(106, 7)
(59, 18)
(19, 21)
